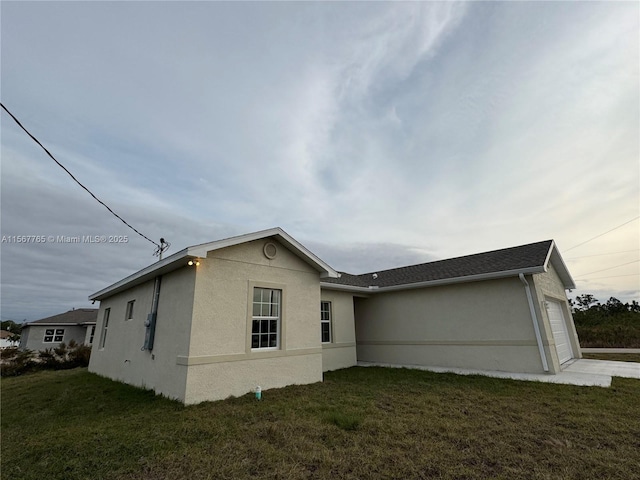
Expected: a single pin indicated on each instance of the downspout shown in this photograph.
(534, 319)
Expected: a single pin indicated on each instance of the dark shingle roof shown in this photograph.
(508, 259)
(77, 316)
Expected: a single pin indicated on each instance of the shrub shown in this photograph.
(48, 359)
(59, 358)
(61, 351)
(80, 355)
(609, 336)
(8, 352)
(21, 362)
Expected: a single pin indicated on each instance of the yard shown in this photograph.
(359, 423)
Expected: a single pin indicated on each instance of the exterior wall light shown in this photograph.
(193, 261)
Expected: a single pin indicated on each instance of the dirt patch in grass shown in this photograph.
(359, 423)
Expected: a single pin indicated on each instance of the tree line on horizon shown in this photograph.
(612, 324)
(613, 306)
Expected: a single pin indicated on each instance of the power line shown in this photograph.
(599, 278)
(598, 236)
(601, 254)
(610, 268)
(160, 247)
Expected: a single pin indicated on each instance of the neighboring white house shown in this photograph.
(6, 340)
(223, 318)
(78, 325)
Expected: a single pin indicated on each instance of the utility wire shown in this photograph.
(598, 236)
(602, 254)
(599, 278)
(161, 247)
(610, 268)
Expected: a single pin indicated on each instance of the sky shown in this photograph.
(376, 134)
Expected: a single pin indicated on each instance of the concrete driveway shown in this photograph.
(603, 367)
(585, 372)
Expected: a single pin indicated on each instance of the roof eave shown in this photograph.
(172, 262)
(561, 268)
(433, 283)
(302, 252)
(464, 279)
(295, 247)
(177, 260)
(345, 288)
(58, 324)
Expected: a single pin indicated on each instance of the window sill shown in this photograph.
(265, 349)
(339, 345)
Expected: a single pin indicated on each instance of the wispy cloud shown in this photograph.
(406, 131)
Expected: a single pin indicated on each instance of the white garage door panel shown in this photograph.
(559, 330)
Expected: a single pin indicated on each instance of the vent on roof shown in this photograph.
(375, 275)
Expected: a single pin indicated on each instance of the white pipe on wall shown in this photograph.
(534, 318)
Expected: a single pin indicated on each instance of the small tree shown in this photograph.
(615, 306)
(12, 327)
(586, 301)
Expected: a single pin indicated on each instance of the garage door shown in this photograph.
(559, 329)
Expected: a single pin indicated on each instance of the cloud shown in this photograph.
(387, 48)
(381, 134)
(362, 257)
(47, 277)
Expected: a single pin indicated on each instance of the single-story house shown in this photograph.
(7, 339)
(78, 325)
(222, 318)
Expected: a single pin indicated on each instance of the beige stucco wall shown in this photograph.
(341, 352)
(220, 379)
(220, 359)
(122, 358)
(480, 325)
(549, 287)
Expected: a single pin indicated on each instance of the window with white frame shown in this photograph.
(129, 314)
(325, 322)
(91, 335)
(105, 326)
(265, 329)
(53, 335)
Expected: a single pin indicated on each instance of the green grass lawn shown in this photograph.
(360, 423)
(618, 357)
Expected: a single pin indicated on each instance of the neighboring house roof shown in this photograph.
(80, 316)
(525, 259)
(4, 334)
(180, 258)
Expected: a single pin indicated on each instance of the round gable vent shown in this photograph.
(270, 250)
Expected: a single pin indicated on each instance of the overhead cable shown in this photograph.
(610, 268)
(600, 278)
(602, 254)
(161, 247)
(598, 236)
